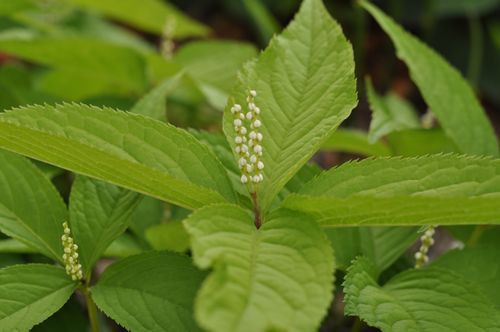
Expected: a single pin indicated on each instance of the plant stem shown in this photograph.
(476, 234)
(256, 209)
(91, 309)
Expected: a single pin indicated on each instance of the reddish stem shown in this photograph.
(256, 210)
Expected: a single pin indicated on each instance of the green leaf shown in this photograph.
(429, 299)
(149, 212)
(448, 8)
(154, 103)
(430, 190)
(83, 67)
(168, 236)
(418, 142)
(479, 265)
(31, 209)
(356, 142)
(213, 66)
(31, 293)
(125, 149)
(382, 245)
(124, 246)
(389, 113)
(148, 15)
(69, 318)
(444, 89)
(278, 277)
(305, 88)
(150, 292)
(14, 6)
(99, 212)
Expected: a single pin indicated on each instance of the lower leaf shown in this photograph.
(276, 278)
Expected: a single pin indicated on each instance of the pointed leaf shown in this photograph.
(430, 190)
(99, 212)
(429, 299)
(278, 277)
(150, 292)
(31, 293)
(305, 88)
(31, 209)
(355, 142)
(125, 149)
(444, 89)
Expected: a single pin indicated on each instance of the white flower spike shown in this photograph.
(251, 165)
(70, 256)
(427, 240)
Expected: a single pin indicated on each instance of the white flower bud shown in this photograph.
(242, 162)
(260, 165)
(255, 179)
(244, 148)
(236, 108)
(253, 159)
(238, 139)
(257, 149)
(252, 135)
(242, 116)
(249, 168)
(237, 149)
(237, 123)
(256, 110)
(257, 123)
(253, 93)
(249, 116)
(261, 176)
(244, 179)
(243, 130)
(259, 137)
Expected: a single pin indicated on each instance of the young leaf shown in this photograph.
(99, 212)
(305, 88)
(149, 15)
(31, 293)
(84, 67)
(444, 89)
(278, 277)
(31, 209)
(439, 189)
(389, 113)
(418, 142)
(429, 299)
(125, 149)
(150, 292)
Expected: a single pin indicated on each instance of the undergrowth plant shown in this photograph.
(265, 224)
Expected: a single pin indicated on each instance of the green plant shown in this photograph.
(263, 217)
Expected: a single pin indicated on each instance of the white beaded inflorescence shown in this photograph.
(70, 256)
(249, 140)
(427, 240)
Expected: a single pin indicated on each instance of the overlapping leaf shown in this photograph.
(278, 277)
(31, 293)
(31, 209)
(131, 151)
(439, 189)
(150, 292)
(305, 88)
(429, 299)
(99, 213)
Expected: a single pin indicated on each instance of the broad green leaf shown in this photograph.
(31, 209)
(444, 89)
(31, 293)
(124, 246)
(83, 67)
(389, 113)
(276, 278)
(213, 66)
(356, 142)
(418, 142)
(382, 245)
(14, 6)
(150, 292)
(479, 265)
(99, 212)
(154, 103)
(168, 236)
(149, 212)
(125, 149)
(439, 189)
(448, 8)
(15, 246)
(149, 15)
(429, 299)
(305, 88)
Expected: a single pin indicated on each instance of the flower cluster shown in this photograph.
(70, 256)
(248, 140)
(421, 257)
